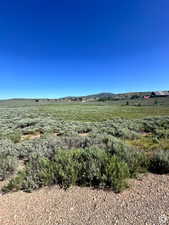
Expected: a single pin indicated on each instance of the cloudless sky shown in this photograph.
(55, 48)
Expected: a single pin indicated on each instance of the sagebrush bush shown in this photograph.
(162, 133)
(8, 165)
(153, 124)
(15, 184)
(159, 163)
(91, 164)
(15, 137)
(8, 148)
(125, 133)
(47, 146)
(116, 174)
(135, 159)
(84, 167)
(41, 147)
(35, 175)
(8, 158)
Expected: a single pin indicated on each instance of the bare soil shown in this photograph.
(30, 136)
(83, 134)
(146, 202)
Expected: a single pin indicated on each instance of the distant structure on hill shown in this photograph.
(160, 94)
(147, 97)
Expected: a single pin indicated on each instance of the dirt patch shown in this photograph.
(145, 134)
(30, 136)
(83, 134)
(36, 136)
(21, 165)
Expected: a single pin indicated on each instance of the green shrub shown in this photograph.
(127, 134)
(8, 148)
(8, 165)
(8, 158)
(159, 162)
(65, 171)
(24, 123)
(36, 174)
(116, 174)
(84, 167)
(14, 137)
(91, 164)
(135, 159)
(15, 184)
(162, 133)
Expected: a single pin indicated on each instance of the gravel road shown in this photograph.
(146, 202)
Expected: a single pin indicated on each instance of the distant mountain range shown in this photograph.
(106, 96)
(100, 97)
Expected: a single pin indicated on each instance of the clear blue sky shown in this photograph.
(78, 47)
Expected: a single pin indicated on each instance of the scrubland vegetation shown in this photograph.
(100, 145)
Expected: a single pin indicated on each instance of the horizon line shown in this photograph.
(70, 96)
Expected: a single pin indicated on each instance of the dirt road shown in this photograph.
(145, 203)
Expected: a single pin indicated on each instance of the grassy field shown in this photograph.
(99, 144)
(92, 111)
(100, 112)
